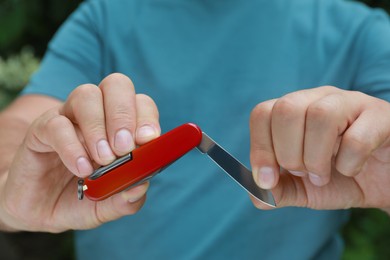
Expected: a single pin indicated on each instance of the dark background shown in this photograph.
(32, 23)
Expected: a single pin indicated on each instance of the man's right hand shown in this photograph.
(93, 127)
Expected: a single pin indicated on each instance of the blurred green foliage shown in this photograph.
(32, 23)
(15, 72)
(367, 235)
(26, 23)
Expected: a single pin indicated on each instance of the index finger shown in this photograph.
(265, 167)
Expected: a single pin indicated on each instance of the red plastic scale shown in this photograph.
(143, 162)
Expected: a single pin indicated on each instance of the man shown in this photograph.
(220, 64)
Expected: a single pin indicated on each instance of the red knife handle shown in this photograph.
(146, 161)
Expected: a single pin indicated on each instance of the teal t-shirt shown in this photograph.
(210, 62)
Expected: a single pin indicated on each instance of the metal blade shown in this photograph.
(236, 170)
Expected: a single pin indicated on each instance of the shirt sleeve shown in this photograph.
(373, 52)
(74, 55)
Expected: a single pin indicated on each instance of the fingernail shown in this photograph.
(104, 151)
(315, 179)
(123, 141)
(297, 173)
(84, 167)
(265, 177)
(146, 131)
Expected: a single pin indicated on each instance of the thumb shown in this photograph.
(289, 191)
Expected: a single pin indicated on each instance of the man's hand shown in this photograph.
(93, 127)
(323, 148)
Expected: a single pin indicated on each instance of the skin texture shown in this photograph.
(322, 148)
(66, 141)
(332, 146)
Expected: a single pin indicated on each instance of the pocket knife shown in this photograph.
(150, 159)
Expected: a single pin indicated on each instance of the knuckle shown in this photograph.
(57, 122)
(260, 112)
(357, 142)
(121, 111)
(122, 117)
(147, 111)
(329, 88)
(36, 135)
(147, 102)
(70, 150)
(116, 79)
(145, 98)
(94, 129)
(261, 149)
(61, 124)
(289, 107)
(359, 94)
(284, 106)
(322, 109)
(85, 91)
